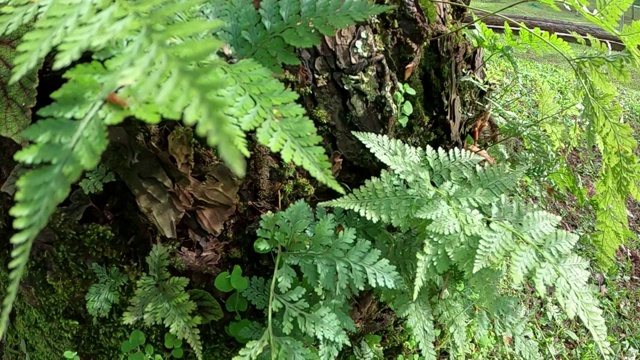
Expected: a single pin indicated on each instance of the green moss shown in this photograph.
(320, 115)
(50, 312)
(429, 10)
(297, 189)
(305, 90)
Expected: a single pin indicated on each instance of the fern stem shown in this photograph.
(272, 291)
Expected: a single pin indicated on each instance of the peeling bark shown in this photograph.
(352, 76)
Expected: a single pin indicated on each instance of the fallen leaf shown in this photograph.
(336, 163)
(480, 152)
(181, 148)
(80, 202)
(205, 258)
(408, 70)
(144, 176)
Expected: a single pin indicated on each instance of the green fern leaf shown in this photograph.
(104, 294)
(263, 103)
(64, 148)
(161, 299)
(386, 199)
(271, 34)
(419, 319)
(257, 293)
(468, 243)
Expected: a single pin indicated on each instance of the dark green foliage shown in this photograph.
(318, 268)
(105, 293)
(271, 34)
(161, 299)
(208, 308)
(95, 179)
(177, 76)
(50, 314)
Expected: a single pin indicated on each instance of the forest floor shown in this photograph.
(620, 286)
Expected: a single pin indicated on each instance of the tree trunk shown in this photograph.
(349, 80)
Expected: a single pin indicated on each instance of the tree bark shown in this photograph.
(348, 81)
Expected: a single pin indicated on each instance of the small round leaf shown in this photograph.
(148, 349)
(409, 90)
(238, 281)
(137, 356)
(262, 246)
(236, 326)
(223, 282)
(126, 346)
(168, 340)
(137, 338)
(177, 353)
(236, 302)
(407, 108)
(69, 354)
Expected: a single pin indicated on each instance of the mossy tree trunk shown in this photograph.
(349, 80)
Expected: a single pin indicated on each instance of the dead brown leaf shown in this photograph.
(482, 153)
(181, 148)
(205, 260)
(336, 163)
(212, 200)
(143, 174)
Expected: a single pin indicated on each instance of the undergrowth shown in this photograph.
(446, 243)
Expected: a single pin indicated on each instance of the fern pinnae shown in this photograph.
(36, 203)
(506, 235)
(614, 139)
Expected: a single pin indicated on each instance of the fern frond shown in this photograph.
(103, 294)
(257, 293)
(162, 299)
(419, 318)
(402, 159)
(452, 312)
(66, 22)
(575, 296)
(19, 12)
(271, 34)
(344, 264)
(471, 250)
(64, 148)
(613, 137)
(264, 103)
(333, 262)
(386, 199)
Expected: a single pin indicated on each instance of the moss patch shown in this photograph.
(50, 314)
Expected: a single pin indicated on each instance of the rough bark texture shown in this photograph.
(349, 80)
